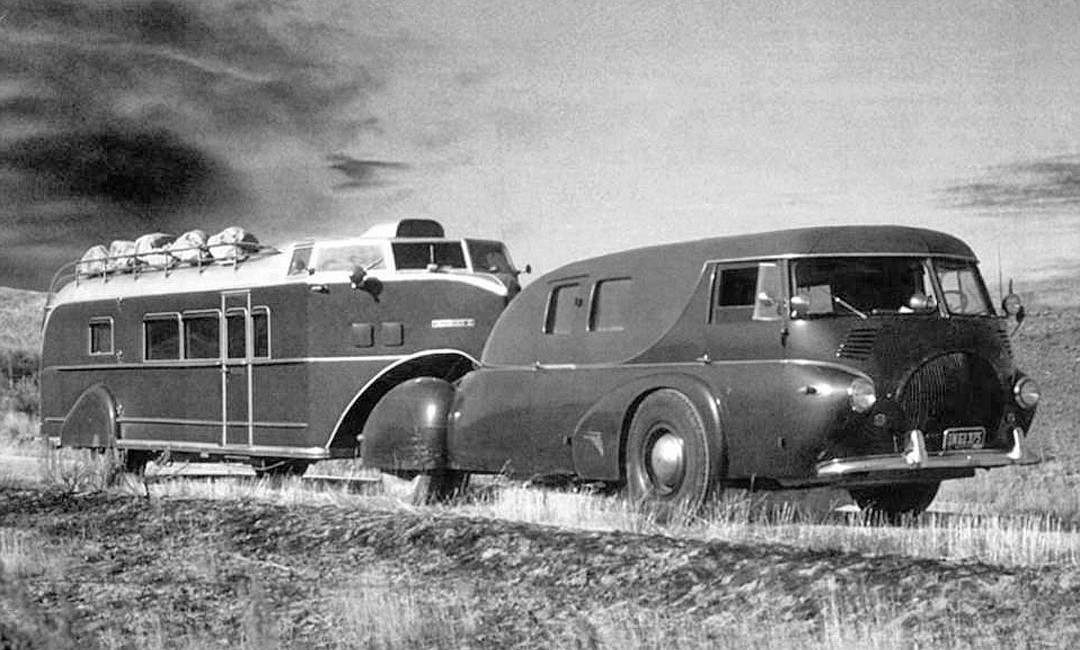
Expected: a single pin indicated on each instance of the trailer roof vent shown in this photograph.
(407, 228)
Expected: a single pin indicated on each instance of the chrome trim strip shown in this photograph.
(680, 364)
(918, 459)
(210, 423)
(216, 363)
(314, 453)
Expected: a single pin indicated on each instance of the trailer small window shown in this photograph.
(101, 336)
(161, 337)
(260, 326)
(562, 305)
(610, 305)
(201, 336)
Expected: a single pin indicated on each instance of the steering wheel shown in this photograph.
(956, 300)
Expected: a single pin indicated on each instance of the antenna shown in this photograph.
(1001, 284)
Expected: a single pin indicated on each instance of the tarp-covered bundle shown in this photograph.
(233, 243)
(94, 261)
(121, 256)
(190, 248)
(153, 249)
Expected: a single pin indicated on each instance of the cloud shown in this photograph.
(120, 117)
(1038, 184)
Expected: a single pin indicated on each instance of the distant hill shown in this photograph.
(20, 320)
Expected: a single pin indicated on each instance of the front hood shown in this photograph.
(890, 348)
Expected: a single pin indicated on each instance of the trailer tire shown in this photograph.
(427, 487)
(669, 466)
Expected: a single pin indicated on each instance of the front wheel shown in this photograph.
(893, 502)
(670, 469)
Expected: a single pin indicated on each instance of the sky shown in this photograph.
(565, 128)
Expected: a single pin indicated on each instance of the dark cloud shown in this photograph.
(1049, 183)
(361, 174)
(118, 117)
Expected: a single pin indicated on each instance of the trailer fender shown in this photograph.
(406, 430)
(91, 422)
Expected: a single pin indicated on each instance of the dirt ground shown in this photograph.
(226, 572)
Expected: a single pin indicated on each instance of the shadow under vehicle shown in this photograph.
(274, 357)
(865, 357)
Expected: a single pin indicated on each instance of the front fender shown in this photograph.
(407, 428)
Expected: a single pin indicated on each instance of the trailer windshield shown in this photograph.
(862, 286)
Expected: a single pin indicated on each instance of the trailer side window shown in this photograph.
(260, 333)
(201, 336)
(260, 325)
(610, 305)
(101, 335)
(161, 337)
(562, 305)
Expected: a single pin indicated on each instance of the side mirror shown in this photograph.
(1013, 307)
(800, 305)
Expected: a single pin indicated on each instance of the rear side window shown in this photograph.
(610, 305)
(562, 306)
(161, 337)
(101, 335)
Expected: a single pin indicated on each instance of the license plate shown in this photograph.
(964, 438)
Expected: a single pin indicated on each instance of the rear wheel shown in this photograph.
(669, 467)
(893, 502)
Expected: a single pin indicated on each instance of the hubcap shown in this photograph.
(667, 463)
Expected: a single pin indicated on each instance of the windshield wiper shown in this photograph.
(848, 306)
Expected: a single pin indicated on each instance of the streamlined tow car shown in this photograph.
(865, 357)
(244, 352)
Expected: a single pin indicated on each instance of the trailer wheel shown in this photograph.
(279, 467)
(427, 487)
(669, 468)
(135, 460)
(893, 502)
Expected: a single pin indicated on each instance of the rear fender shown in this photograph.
(598, 441)
(91, 422)
(407, 428)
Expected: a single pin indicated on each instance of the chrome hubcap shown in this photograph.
(667, 463)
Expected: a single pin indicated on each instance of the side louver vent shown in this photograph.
(1006, 341)
(858, 344)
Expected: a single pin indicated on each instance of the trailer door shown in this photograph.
(236, 370)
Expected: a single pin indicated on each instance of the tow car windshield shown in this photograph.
(863, 286)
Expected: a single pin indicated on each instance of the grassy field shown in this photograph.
(95, 559)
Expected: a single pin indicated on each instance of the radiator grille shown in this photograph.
(951, 390)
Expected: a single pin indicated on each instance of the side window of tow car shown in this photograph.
(743, 292)
(563, 303)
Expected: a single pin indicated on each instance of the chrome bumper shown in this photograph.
(916, 458)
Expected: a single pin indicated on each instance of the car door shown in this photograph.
(745, 349)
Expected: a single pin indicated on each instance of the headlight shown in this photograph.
(1026, 392)
(861, 394)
